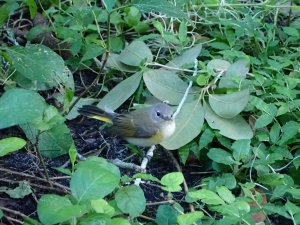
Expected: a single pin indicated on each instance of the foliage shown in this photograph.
(240, 119)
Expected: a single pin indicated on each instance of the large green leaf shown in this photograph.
(38, 63)
(131, 200)
(235, 128)
(218, 65)
(135, 53)
(207, 196)
(94, 178)
(120, 93)
(11, 144)
(187, 56)
(115, 63)
(161, 6)
(229, 105)
(109, 4)
(56, 141)
(235, 74)
(188, 125)
(166, 215)
(19, 106)
(166, 85)
(53, 209)
(221, 156)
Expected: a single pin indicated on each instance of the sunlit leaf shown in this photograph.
(11, 144)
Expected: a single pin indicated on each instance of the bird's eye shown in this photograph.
(158, 113)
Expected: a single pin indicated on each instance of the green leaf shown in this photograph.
(221, 156)
(53, 209)
(241, 149)
(135, 53)
(94, 178)
(166, 85)
(235, 128)
(229, 105)
(19, 106)
(11, 144)
(225, 194)
(206, 138)
(267, 116)
(131, 200)
(289, 130)
(54, 142)
(38, 63)
(115, 63)
(6, 9)
(172, 181)
(274, 133)
(120, 93)
(164, 7)
(206, 196)
(83, 101)
(132, 16)
(291, 31)
(235, 74)
(1, 214)
(188, 125)
(182, 33)
(109, 4)
(166, 215)
(218, 65)
(295, 192)
(189, 218)
(92, 51)
(118, 221)
(21, 191)
(272, 179)
(188, 56)
(101, 206)
(32, 8)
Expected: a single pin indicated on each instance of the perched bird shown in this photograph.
(143, 127)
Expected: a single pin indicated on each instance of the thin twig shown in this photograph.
(187, 90)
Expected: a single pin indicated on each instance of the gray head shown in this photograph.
(161, 112)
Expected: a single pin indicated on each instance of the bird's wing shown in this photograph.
(127, 126)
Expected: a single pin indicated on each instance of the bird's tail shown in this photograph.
(94, 112)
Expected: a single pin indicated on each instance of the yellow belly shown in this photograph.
(164, 133)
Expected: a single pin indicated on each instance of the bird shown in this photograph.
(142, 127)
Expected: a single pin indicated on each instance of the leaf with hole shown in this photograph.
(229, 105)
(38, 63)
(188, 125)
(235, 128)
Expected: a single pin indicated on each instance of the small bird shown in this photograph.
(142, 127)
